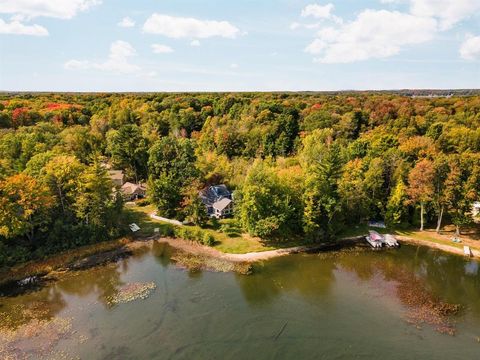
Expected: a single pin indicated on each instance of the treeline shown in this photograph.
(300, 164)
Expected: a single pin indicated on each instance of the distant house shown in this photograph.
(476, 209)
(218, 201)
(133, 191)
(117, 176)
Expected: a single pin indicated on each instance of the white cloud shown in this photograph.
(323, 12)
(296, 25)
(62, 9)
(195, 43)
(17, 28)
(26, 10)
(126, 22)
(373, 34)
(161, 49)
(181, 27)
(318, 11)
(449, 12)
(470, 48)
(120, 52)
(234, 66)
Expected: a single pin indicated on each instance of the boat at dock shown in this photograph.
(391, 241)
(377, 240)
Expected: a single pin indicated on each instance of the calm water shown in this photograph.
(337, 306)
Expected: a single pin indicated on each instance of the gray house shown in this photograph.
(133, 191)
(218, 201)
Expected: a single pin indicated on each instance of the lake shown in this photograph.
(352, 304)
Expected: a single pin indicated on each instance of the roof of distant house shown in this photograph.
(213, 194)
(130, 188)
(222, 204)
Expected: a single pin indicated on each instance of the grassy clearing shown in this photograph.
(228, 235)
(141, 216)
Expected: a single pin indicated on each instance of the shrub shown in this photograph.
(143, 202)
(208, 239)
(197, 235)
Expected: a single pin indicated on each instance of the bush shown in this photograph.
(143, 202)
(208, 239)
(196, 235)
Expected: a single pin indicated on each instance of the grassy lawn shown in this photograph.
(228, 236)
(141, 216)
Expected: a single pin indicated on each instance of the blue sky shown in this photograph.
(243, 45)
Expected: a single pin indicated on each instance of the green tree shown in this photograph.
(462, 189)
(171, 165)
(62, 174)
(128, 150)
(266, 206)
(164, 192)
(352, 192)
(322, 203)
(192, 206)
(93, 198)
(397, 210)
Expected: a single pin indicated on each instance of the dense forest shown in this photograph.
(304, 164)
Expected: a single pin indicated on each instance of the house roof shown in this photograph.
(131, 188)
(213, 194)
(222, 204)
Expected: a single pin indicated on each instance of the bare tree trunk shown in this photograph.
(439, 222)
(60, 195)
(457, 230)
(421, 216)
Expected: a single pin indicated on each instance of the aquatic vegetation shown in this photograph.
(424, 308)
(195, 262)
(36, 337)
(131, 292)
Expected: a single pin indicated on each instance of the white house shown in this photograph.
(218, 200)
(476, 209)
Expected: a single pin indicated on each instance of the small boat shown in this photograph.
(375, 239)
(391, 241)
(467, 251)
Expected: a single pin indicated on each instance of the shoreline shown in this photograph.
(443, 247)
(122, 248)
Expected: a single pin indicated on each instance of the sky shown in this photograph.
(238, 45)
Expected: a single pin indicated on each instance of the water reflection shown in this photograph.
(202, 314)
(308, 277)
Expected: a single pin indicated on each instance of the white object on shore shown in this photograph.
(134, 227)
(467, 251)
(156, 230)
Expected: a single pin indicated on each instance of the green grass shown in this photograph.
(228, 235)
(141, 216)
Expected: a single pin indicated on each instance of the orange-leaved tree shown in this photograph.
(421, 189)
(25, 206)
